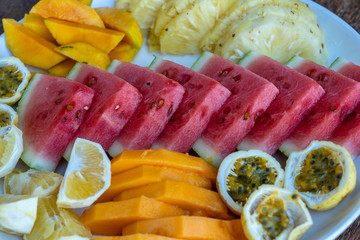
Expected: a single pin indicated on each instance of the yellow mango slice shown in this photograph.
(85, 53)
(189, 227)
(86, 2)
(68, 32)
(36, 24)
(30, 48)
(109, 218)
(184, 195)
(136, 236)
(144, 175)
(123, 22)
(123, 52)
(62, 69)
(69, 10)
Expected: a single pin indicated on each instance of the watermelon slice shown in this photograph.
(203, 97)
(341, 97)
(297, 94)
(161, 98)
(348, 133)
(114, 103)
(50, 112)
(251, 95)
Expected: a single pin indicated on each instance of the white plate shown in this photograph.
(342, 41)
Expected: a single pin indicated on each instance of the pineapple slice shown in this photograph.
(123, 4)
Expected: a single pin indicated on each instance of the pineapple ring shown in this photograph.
(243, 172)
(323, 174)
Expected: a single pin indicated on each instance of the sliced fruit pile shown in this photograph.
(56, 34)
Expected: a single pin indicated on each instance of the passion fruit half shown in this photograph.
(242, 172)
(323, 174)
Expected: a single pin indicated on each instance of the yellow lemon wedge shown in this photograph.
(275, 213)
(32, 182)
(11, 147)
(243, 172)
(87, 175)
(14, 77)
(323, 174)
(17, 213)
(8, 116)
(54, 223)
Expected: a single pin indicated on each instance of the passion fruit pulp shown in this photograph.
(13, 78)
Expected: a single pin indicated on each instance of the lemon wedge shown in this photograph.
(242, 172)
(54, 223)
(32, 182)
(275, 213)
(14, 77)
(87, 175)
(17, 213)
(323, 174)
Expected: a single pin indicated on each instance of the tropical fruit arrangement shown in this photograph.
(164, 151)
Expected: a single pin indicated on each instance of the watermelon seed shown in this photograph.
(86, 108)
(321, 77)
(58, 101)
(165, 73)
(91, 81)
(161, 103)
(192, 105)
(170, 110)
(152, 105)
(69, 107)
(332, 108)
(221, 120)
(172, 119)
(225, 72)
(246, 116)
(117, 107)
(78, 114)
(148, 83)
(237, 78)
(64, 119)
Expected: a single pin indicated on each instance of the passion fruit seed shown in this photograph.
(273, 216)
(5, 118)
(321, 172)
(247, 175)
(10, 79)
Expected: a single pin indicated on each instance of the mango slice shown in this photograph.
(86, 2)
(68, 32)
(85, 53)
(136, 236)
(28, 47)
(36, 24)
(189, 227)
(70, 10)
(162, 157)
(123, 22)
(109, 218)
(182, 194)
(62, 69)
(123, 52)
(144, 175)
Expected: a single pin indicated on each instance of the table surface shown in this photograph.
(346, 9)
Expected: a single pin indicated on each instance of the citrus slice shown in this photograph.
(8, 116)
(53, 223)
(323, 174)
(17, 213)
(275, 213)
(87, 175)
(14, 77)
(243, 172)
(11, 147)
(32, 182)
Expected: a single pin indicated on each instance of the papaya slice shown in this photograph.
(85, 53)
(144, 175)
(36, 24)
(67, 32)
(124, 22)
(62, 69)
(123, 52)
(69, 10)
(136, 236)
(189, 227)
(162, 157)
(30, 48)
(184, 195)
(109, 218)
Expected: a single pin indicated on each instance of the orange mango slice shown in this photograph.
(184, 195)
(136, 236)
(123, 22)
(28, 47)
(67, 32)
(109, 218)
(189, 227)
(144, 175)
(69, 10)
(123, 52)
(62, 69)
(85, 53)
(36, 24)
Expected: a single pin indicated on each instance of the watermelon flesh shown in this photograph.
(297, 94)
(348, 133)
(341, 97)
(50, 112)
(203, 97)
(251, 96)
(161, 98)
(114, 103)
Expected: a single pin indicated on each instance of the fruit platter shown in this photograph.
(179, 119)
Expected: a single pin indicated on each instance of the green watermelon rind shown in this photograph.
(200, 62)
(74, 71)
(113, 65)
(28, 156)
(249, 58)
(155, 63)
(338, 64)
